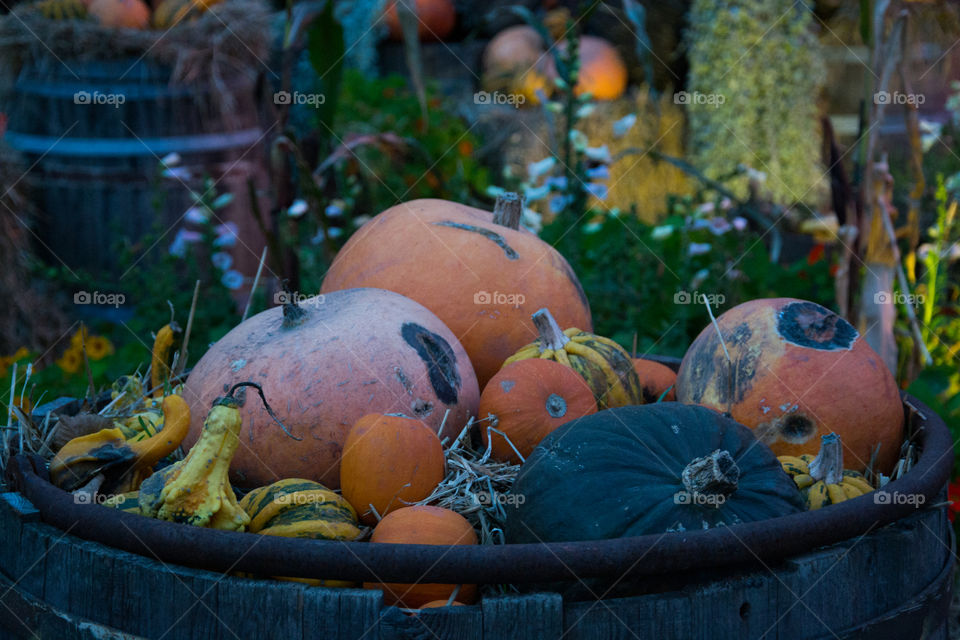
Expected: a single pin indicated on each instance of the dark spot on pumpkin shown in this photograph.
(807, 324)
(507, 385)
(404, 380)
(739, 336)
(493, 236)
(797, 428)
(439, 358)
(556, 406)
(421, 408)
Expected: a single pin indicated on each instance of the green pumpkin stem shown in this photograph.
(828, 465)
(714, 476)
(508, 210)
(551, 335)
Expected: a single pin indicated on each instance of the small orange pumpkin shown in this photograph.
(423, 525)
(125, 14)
(603, 73)
(655, 378)
(441, 603)
(388, 462)
(436, 19)
(526, 401)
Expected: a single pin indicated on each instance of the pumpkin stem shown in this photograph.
(828, 465)
(551, 335)
(508, 210)
(710, 479)
(293, 313)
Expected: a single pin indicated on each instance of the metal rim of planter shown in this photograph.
(743, 544)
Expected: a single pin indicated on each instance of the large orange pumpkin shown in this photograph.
(388, 462)
(655, 378)
(323, 365)
(796, 371)
(423, 525)
(436, 19)
(603, 73)
(526, 401)
(483, 279)
(129, 14)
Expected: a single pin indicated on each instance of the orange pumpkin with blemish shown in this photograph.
(526, 401)
(388, 462)
(423, 525)
(655, 378)
(484, 280)
(323, 365)
(796, 371)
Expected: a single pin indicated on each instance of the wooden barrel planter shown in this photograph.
(862, 568)
(94, 132)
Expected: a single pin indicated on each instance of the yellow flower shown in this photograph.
(76, 340)
(98, 347)
(71, 360)
(21, 353)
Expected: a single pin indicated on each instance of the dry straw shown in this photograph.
(229, 40)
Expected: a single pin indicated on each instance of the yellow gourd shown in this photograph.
(164, 345)
(197, 489)
(123, 463)
(604, 364)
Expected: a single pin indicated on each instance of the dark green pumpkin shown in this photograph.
(621, 472)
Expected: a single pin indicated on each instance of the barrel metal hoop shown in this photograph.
(113, 147)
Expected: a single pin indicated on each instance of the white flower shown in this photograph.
(719, 226)
(624, 124)
(698, 248)
(726, 203)
(359, 221)
(598, 190)
(600, 172)
(184, 237)
(557, 204)
(533, 194)
(178, 173)
(586, 110)
(592, 227)
(541, 167)
(494, 191)
(740, 223)
(531, 220)
(232, 279)
(221, 260)
(579, 141)
(170, 160)
(598, 154)
(334, 209)
(298, 208)
(698, 278)
(196, 215)
(706, 207)
(222, 200)
(335, 232)
(661, 232)
(226, 235)
(931, 132)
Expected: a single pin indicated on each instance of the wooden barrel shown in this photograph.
(94, 133)
(894, 582)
